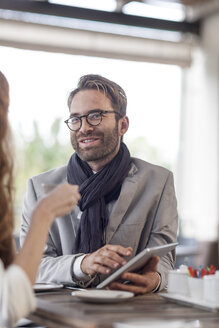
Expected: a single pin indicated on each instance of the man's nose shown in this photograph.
(85, 126)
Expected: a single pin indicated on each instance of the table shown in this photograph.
(58, 309)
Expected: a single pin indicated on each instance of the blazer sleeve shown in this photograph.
(164, 228)
(54, 266)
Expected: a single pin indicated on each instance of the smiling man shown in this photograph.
(126, 204)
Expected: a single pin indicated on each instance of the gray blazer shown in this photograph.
(144, 215)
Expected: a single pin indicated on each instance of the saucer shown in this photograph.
(39, 287)
(102, 296)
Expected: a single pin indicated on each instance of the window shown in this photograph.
(39, 85)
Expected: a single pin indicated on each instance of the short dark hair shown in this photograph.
(111, 89)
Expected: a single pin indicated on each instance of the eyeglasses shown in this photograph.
(93, 118)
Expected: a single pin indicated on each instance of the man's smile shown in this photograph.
(89, 141)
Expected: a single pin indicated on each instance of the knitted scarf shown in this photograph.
(96, 191)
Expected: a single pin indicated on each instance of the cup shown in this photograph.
(47, 187)
(178, 282)
(196, 288)
(216, 274)
(215, 290)
(211, 289)
(208, 288)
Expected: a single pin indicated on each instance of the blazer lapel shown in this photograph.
(127, 193)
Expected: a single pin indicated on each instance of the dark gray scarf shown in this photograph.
(96, 191)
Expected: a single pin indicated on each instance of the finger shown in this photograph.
(106, 257)
(124, 251)
(89, 266)
(68, 188)
(74, 200)
(149, 280)
(151, 265)
(76, 187)
(107, 261)
(137, 290)
(65, 193)
(112, 257)
(97, 268)
(135, 278)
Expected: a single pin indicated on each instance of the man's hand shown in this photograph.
(105, 258)
(142, 283)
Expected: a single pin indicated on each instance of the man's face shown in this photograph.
(95, 144)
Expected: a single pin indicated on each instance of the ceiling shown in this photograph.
(194, 9)
(194, 13)
(53, 26)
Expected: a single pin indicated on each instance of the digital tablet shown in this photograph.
(138, 262)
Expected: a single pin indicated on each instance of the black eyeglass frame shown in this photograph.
(101, 112)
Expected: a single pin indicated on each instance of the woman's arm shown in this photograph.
(58, 202)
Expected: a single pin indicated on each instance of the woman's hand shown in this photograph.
(58, 202)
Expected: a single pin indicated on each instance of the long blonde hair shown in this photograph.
(6, 177)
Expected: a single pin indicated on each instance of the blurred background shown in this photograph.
(164, 53)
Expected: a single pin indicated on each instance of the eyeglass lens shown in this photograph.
(74, 123)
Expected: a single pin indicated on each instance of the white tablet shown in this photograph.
(138, 262)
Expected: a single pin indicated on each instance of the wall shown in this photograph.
(197, 180)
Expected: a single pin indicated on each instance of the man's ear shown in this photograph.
(123, 125)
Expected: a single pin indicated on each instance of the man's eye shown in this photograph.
(74, 120)
(94, 116)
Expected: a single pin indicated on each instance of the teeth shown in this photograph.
(88, 140)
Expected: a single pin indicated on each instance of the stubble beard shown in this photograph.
(109, 143)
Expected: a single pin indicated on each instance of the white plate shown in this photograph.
(46, 286)
(142, 323)
(186, 300)
(102, 296)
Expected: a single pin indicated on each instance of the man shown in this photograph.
(126, 204)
